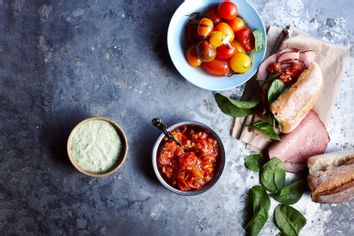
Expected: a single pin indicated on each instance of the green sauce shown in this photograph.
(96, 146)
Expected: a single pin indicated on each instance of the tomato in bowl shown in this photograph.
(201, 64)
(195, 166)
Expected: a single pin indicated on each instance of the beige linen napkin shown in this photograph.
(332, 60)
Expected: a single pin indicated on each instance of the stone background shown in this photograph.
(63, 61)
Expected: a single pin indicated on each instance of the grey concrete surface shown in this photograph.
(63, 61)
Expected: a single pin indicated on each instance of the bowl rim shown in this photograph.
(122, 155)
(159, 175)
(208, 87)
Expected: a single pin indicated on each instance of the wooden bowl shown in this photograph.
(122, 154)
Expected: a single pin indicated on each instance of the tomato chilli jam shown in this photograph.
(192, 166)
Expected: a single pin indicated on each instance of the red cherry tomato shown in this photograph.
(296, 69)
(274, 68)
(227, 10)
(245, 38)
(236, 24)
(205, 51)
(192, 58)
(212, 14)
(191, 31)
(216, 67)
(225, 51)
(205, 27)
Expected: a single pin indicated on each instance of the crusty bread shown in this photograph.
(331, 177)
(293, 105)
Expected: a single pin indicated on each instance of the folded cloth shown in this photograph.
(332, 60)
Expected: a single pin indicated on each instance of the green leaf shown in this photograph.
(272, 175)
(276, 88)
(259, 198)
(244, 104)
(254, 162)
(260, 206)
(266, 129)
(257, 222)
(259, 40)
(229, 108)
(289, 220)
(290, 194)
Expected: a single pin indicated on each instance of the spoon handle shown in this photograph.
(158, 123)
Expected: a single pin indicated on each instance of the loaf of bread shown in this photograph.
(331, 177)
(293, 105)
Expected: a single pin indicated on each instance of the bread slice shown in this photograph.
(331, 177)
(293, 105)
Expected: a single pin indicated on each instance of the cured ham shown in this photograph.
(308, 139)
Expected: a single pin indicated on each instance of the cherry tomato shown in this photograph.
(205, 51)
(212, 14)
(245, 38)
(240, 62)
(216, 67)
(226, 30)
(274, 68)
(236, 24)
(192, 58)
(205, 27)
(225, 51)
(228, 50)
(237, 46)
(296, 69)
(227, 10)
(191, 32)
(216, 38)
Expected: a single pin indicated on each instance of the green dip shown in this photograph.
(95, 146)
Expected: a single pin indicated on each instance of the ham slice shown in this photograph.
(307, 57)
(308, 139)
(289, 56)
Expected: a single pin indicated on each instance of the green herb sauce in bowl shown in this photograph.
(97, 146)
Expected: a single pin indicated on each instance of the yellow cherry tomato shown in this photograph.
(226, 30)
(240, 62)
(216, 38)
(237, 46)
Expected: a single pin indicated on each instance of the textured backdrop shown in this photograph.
(62, 61)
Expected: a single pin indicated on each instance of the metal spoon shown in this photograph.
(158, 123)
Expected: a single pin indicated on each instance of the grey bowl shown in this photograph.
(220, 165)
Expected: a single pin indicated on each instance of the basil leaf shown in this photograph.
(276, 88)
(289, 220)
(244, 104)
(272, 120)
(266, 129)
(259, 198)
(229, 108)
(260, 206)
(254, 162)
(255, 225)
(272, 175)
(291, 194)
(258, 40)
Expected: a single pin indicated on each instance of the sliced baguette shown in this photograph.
(331, 177)
(292, 106)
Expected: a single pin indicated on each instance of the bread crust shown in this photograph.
(331, 177)
(293, 105)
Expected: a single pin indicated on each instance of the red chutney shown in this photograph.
(193, 166)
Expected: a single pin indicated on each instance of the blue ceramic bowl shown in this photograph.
(197, 76)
